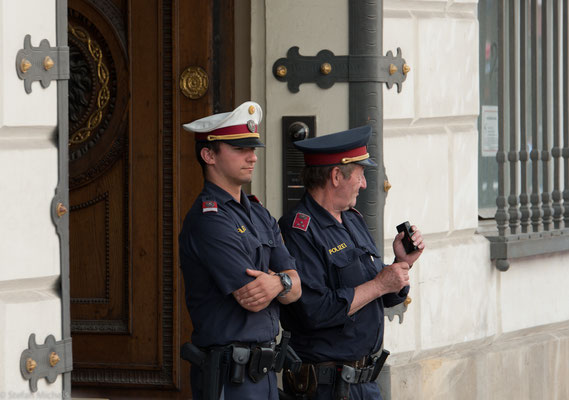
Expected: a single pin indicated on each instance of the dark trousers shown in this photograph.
(361, 391)
(266, 389)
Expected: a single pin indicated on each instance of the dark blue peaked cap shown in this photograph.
(337, 148)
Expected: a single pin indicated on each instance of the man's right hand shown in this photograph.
(393, 278)
(258, 294)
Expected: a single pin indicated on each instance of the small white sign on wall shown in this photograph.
(489, 131)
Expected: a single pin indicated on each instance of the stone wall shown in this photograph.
(29, 245)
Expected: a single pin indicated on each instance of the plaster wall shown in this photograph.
(29, 245)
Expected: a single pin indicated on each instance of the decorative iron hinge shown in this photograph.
(42, 63)
(325, 69)
(45, 361)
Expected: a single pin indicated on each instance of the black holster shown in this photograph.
(212, 374)
(211, 365)
(286, 356)
(379, 362)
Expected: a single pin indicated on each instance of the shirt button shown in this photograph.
(270, 241)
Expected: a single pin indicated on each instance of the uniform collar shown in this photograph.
(221, 196)
(319, 213)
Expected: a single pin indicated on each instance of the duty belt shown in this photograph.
(339, 374)
(221, 364)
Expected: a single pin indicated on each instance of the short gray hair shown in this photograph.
(317, 176)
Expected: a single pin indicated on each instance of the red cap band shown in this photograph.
(226, 130)
(315, 159)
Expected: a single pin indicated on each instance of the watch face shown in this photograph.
(286, 282)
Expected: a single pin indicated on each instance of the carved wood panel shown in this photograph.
(133, 176)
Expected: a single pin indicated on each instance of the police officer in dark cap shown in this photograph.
(337, 325)
(236, 268)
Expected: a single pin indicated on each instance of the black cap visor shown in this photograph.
(245, 142)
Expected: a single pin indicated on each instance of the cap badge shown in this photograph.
(251, 125)
(301, 221)
(251, 110)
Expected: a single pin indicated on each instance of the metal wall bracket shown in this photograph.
(45, 361)
(42, 63)
(398, 310)
(325, 69)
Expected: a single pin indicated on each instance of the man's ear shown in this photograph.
(208, 155)
(335, 175)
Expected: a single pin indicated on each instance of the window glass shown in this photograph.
(488, 119)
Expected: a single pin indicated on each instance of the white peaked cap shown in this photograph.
(238, 127)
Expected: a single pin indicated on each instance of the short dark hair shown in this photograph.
(213, 146)
(317, 176)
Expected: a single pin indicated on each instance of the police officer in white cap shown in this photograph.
(235, 265)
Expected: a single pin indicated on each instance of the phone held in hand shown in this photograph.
(407, 241)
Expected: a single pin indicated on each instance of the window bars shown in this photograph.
(533, 150)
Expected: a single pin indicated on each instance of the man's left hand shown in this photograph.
(399, 250)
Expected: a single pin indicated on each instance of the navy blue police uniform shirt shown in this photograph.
(220, 239)
(332, 258)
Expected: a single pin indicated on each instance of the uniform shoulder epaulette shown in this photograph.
(209, 206)
(254, 199)
(356, 211)
(301, 221)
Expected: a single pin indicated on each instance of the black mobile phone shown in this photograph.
(407, 241)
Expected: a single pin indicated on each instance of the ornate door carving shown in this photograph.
(133, 175)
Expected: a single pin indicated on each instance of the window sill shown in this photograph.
(503, 248)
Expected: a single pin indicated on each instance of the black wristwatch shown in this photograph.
(286, 282)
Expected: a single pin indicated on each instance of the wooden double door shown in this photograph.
(133, 175)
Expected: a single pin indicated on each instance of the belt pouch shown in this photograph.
(239, 359)
(304, 381)
(261, 362)
(342, 384)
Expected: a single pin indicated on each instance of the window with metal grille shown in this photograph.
(524, 126)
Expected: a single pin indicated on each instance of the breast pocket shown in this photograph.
(371, 260)
(349, 269)
(260, 247)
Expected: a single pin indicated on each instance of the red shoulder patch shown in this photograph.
(301, 221)
(254, 199)
(356, 211)
(209, 206)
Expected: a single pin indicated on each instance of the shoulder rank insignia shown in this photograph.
(254, 199)
(356, 211)
(209, 206)
(301, 221)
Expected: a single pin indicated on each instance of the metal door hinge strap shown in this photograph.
(325, 69)
(45, 361)
(42, 63)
